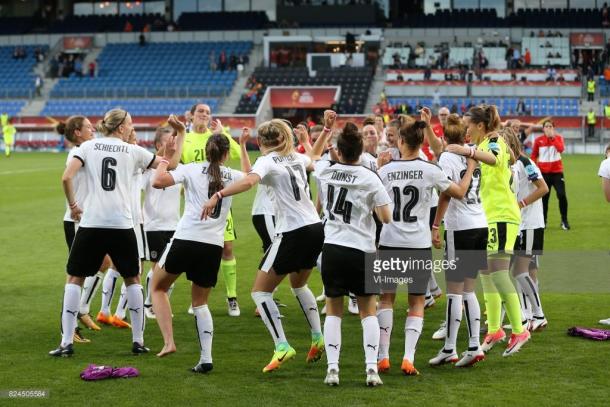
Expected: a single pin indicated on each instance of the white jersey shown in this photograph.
(525, 173)
(434, 202)
(604, 169)
(161, 206)
(286, 177)
(410, 183)
(136, 198)
(110, 164)
(194, 178)
(349, 194)
(466, 213)
(79, 186)
(263, 204)
(369, 161)
(394, 152)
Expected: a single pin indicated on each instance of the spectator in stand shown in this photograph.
(436, 100)
(233, 62)
(540, 34)
(516, 57)
(591, 122)
(454, 108)
(551, 72)
(400, 78)
(528, 58)
(427, 73)
(92, 69)
(350, 107)
(128, 27)
(547, 155)
(605, 16)
(561, 78)
(38, 85)
(142, 39)
(78, 67)
(222, 61)
(591, 90)
(521, 108)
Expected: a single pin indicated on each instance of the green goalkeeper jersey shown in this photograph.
(193, 149)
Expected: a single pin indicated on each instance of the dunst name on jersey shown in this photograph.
(226, 175)
(401, 175)
(343, 176)
(281, 159)
(111, 148)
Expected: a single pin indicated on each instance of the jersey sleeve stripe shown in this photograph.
(151, 161)
(79, 158)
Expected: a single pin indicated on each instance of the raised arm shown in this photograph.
(73, 167)
(162, 178)
(246, 166)
(318, 147)
(472, 152)
(436, 144)
(234, 148)
(178, 140)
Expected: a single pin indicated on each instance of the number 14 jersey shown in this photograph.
(410, 183)
(349, 194)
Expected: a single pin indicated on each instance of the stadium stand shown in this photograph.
(109, 23)
(214, 21)
(354, 82)
(156, 70)
(548, 51)
(137, 107)
(507, 106)
(11, 107)
(16, 77)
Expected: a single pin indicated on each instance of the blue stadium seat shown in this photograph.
(137, 107)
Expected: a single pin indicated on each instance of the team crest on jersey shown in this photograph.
(153, 254)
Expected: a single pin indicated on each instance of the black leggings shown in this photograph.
(556, 180)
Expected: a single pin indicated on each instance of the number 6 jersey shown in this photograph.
(349, 194)
(287, 177)
(110, 163)
(410, 183)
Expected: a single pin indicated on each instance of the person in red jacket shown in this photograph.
(547, 154)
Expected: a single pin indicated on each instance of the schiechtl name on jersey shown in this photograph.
(401, 175)
(343, 176)
(226, 174)
(111, 148)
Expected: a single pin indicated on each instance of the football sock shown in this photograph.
(332, 340)
(90, 287)
(229, 272)
(454, 318)
(385, 317)
(149, 276)
(506, 289)
(370, 341)
(108, 286)
(121, 308)
(69, 313)
(308, 304)
(530, 289)
(472, 311)
(205, 332)
(493, 303)
(413, 328)
(526, 313)
(270, 314)
(135, 298)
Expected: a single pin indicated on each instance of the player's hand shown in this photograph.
(209, 206)
(329, 118)
(169, 148)
(216, 126)
(436, 238)
(301, 133)
(176, 124)
(383, 158)
(75, 213)
(425, 115)
(245, 136)
(457, 149)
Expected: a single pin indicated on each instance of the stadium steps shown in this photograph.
(585, 106)
(376, 88)
(35, 106)
(230, 103)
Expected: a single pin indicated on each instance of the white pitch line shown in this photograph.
(28, 170)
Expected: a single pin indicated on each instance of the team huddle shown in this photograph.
(381, 191)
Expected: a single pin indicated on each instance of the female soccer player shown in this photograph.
(194, 151)
(350, 193)
(77, 130)
(161, 216)
(107, 226)
(531, 187)
(465, 244)
(410, 181)
(196, 248)
(503, 218)
(604, 174)
(299, 232)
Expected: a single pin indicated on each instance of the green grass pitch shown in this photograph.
(553, 369)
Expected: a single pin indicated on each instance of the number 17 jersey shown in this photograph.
(286, 176)
(349, 194)
(410, 184)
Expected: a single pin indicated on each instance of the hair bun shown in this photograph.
(61, 128)
(453, 120)
(420, 124)
(350, 129)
